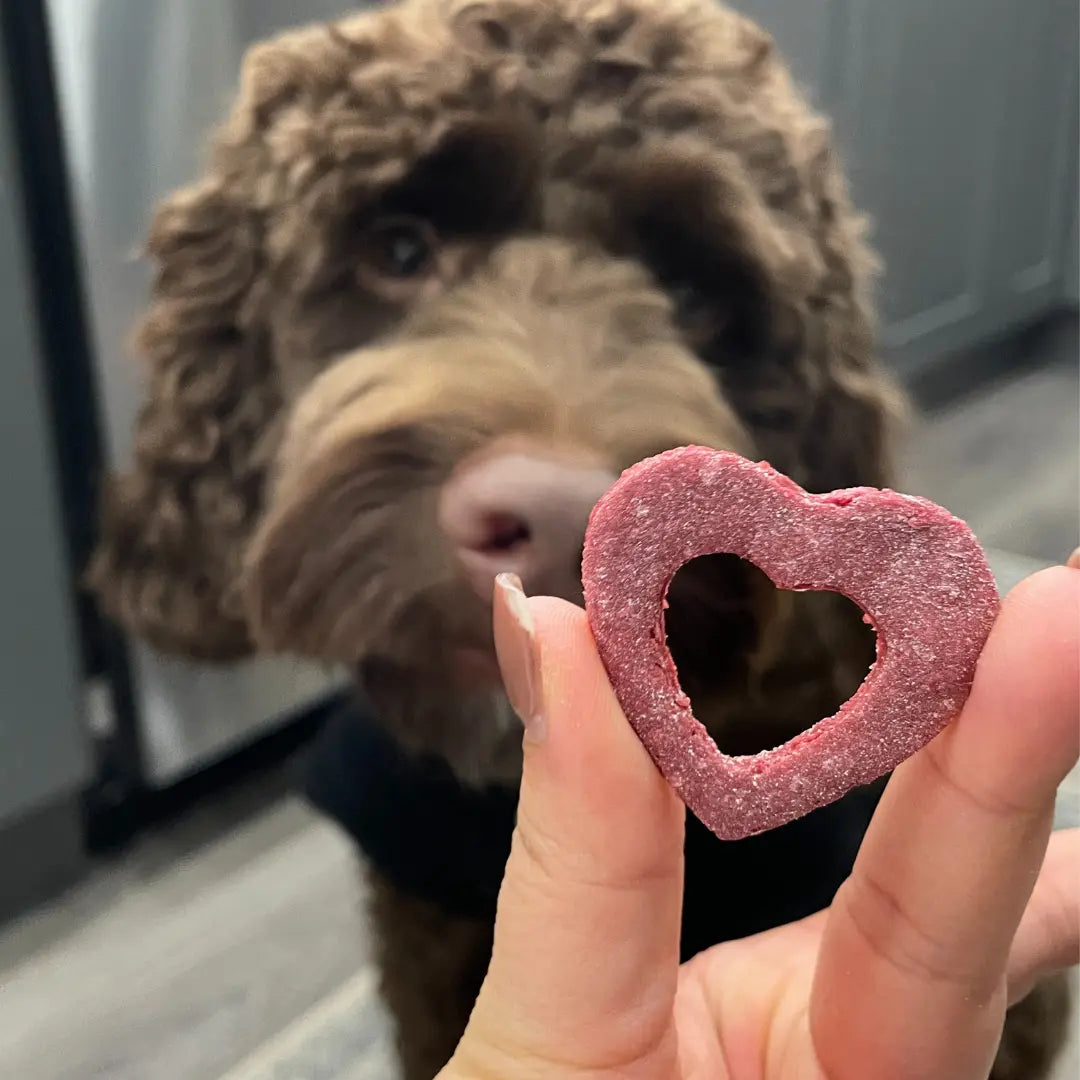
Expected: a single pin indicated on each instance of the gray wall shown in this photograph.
(43, 755)
(1072, 262)
(958, 125)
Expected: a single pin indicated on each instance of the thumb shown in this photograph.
(585, 959)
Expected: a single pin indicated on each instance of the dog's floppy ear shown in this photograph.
(173, 527)
(776, 290)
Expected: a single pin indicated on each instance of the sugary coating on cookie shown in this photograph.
(915, 570)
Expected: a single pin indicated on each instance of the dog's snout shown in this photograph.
(523, 511)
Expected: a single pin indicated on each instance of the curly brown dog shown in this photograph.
(452, 266)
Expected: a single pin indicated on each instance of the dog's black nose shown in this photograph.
(522, 509)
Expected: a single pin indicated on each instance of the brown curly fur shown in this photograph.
(453, 954)
(645, 240)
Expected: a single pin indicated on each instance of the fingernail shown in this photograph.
(1074, 560)
(519, 654)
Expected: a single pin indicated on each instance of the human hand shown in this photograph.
(955, 907)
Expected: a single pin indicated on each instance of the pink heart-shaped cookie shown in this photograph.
(916, 571)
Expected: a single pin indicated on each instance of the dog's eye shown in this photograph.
(401, 247)
(687, 297)
(691, 302)
(696, 312)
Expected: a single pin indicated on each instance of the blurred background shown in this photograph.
(167, 908)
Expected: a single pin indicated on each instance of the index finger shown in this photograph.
(585, 962)
(917, 941)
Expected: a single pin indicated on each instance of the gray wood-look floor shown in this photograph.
(1006, 459)
(187, 955)
(190, 957)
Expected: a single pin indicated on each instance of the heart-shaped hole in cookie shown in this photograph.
(761, 664)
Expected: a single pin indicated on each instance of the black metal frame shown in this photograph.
(55, 273)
